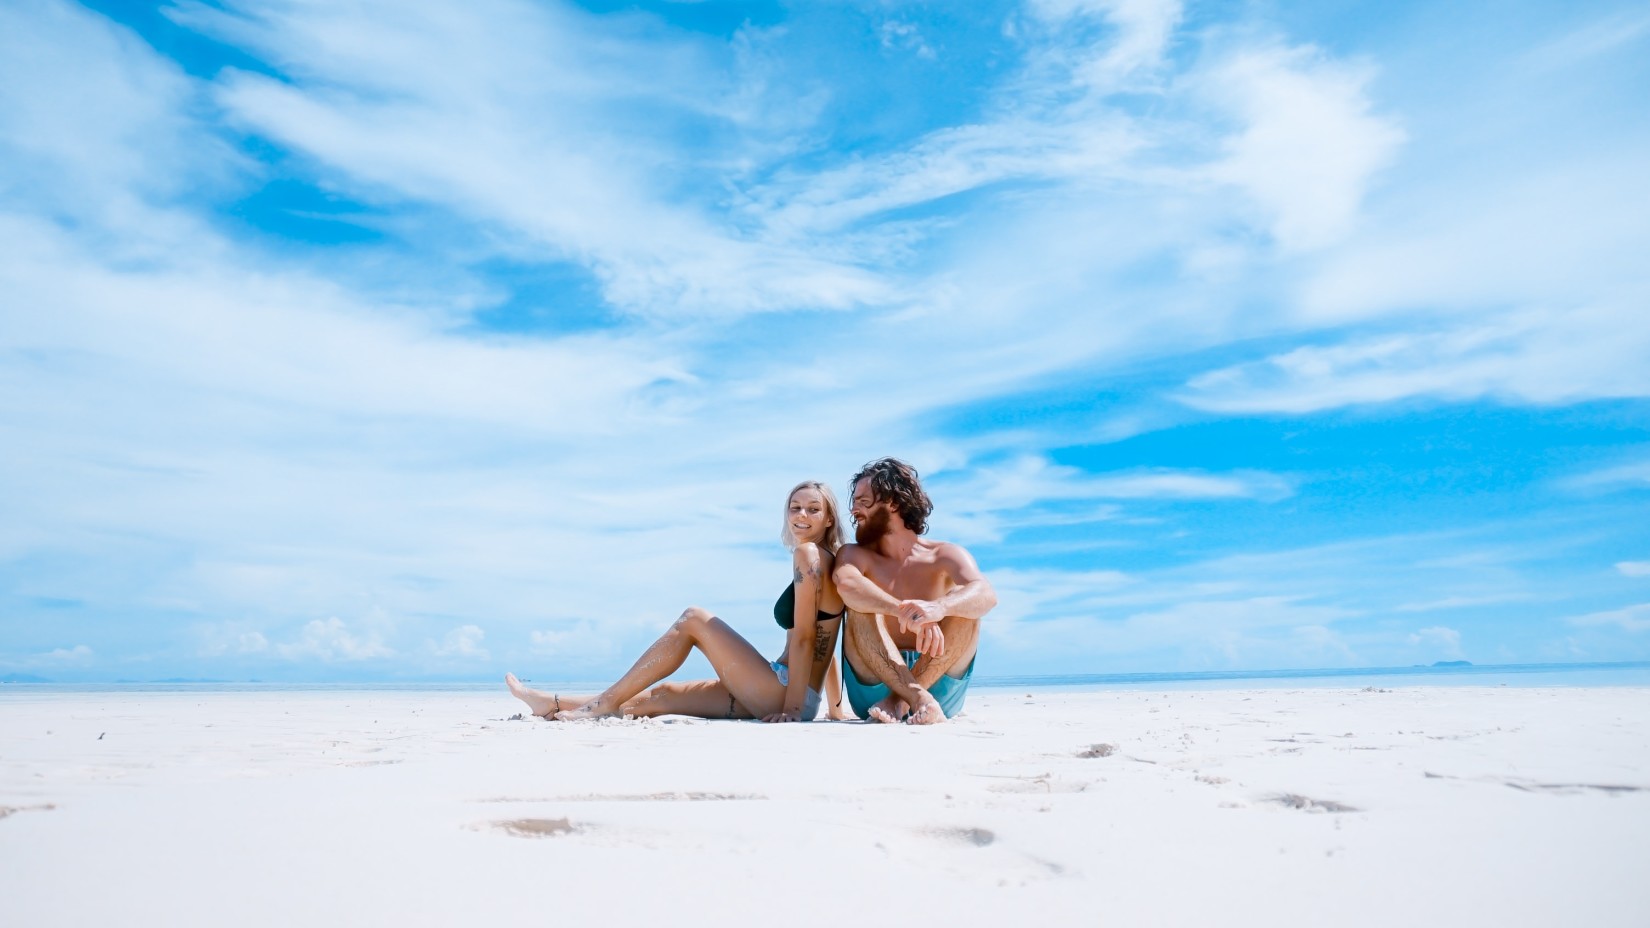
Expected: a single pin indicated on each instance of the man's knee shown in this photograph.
(962, 635)
(957, 628)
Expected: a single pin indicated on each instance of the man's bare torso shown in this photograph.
(921, 575)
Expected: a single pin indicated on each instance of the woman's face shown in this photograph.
(808, 519)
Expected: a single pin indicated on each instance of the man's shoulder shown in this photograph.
(944, 548)
(949, 553)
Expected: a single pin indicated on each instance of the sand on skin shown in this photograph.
(1420, 805)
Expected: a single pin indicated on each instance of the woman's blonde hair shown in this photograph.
(835, 536)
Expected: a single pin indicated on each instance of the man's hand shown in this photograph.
(793, 716)
(915, 613)
(931, 641)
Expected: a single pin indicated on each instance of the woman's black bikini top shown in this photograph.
(784, 611)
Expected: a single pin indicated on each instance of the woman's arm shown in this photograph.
(833, 692)
(806, 567)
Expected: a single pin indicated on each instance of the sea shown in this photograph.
(1624, 673)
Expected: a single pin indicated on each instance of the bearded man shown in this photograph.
(914, 605)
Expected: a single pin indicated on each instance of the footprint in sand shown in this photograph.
(537, 827)
(1308, 804)
(8, 811)
(637, 797)
(1012, 867)
(1531, 786)
(977, 837)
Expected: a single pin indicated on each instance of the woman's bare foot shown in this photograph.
(594, 709)
(542, 703)
(890, 710)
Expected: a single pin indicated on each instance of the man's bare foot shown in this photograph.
(928, 711)
(891, 709)
(543, 704)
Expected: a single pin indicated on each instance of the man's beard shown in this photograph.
(870, 530)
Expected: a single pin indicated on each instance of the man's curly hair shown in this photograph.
(894, 480)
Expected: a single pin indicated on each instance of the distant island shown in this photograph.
(23, 678)
(1452, 663)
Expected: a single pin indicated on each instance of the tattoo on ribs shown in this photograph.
(731, 704)
(823, 638)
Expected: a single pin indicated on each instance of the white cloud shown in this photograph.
(1195, 634)
(1309, 145)
(94, 125)
(1616, 477)
(1604, 35)
(579, 644)
(1458, 602)
(1443, 639)
(495, 110)
(1634, 568)
(1141, 31)
(331, 640)
(1027, 479)
(993, 499)
(1629, 619)
(220, 639)
(79, 654)
(898, 34)
(462, 642)
(1533, 356)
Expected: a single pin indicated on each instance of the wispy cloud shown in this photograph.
(993, 499)
(1624, 476)
(1607, 34)
(1631, 619)
(543, 121)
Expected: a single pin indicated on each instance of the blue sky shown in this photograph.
(418, 340)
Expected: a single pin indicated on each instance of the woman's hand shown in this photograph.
(792, 716)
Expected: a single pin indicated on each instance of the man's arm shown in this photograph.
(857, 590)
(970, 596)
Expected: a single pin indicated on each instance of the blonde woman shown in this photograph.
(747, 685)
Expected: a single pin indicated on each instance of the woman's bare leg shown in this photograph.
(542, 703)
(740, 667)
(705, 699)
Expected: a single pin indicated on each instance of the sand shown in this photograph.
(1411, 805)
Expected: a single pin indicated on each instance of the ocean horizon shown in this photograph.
(1612, 673)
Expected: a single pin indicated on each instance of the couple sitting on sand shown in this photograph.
(913, 611)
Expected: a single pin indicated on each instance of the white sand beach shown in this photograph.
(1404, 806)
